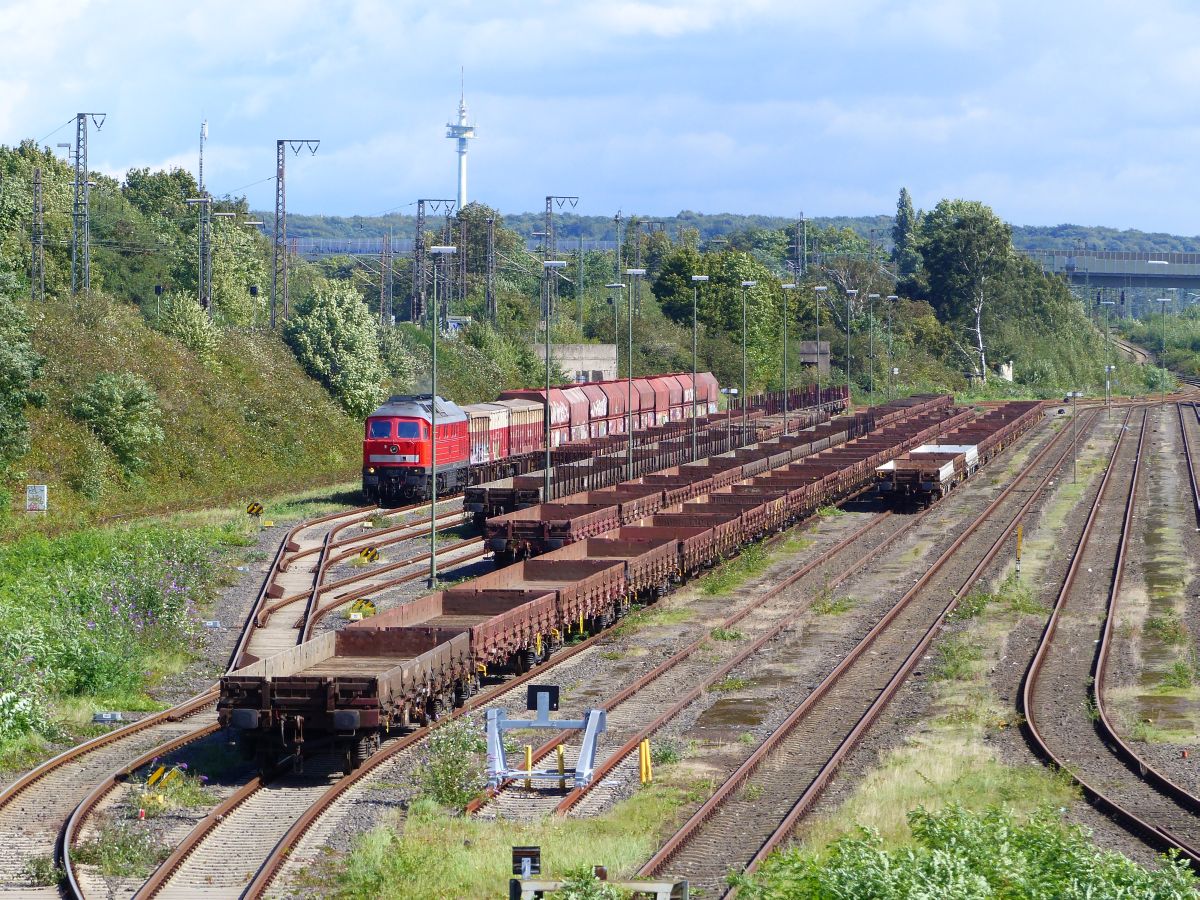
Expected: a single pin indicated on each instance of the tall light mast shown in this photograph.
(461, 133)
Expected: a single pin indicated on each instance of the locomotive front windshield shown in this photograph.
(409, 430)
(380, 429)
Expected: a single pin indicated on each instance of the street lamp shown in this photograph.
(892, 298)
(790, 286)
(1107, 348)
(549, 270)
(850, 295)
(697, 280)
(746, 285)
(435, 324)
(621, 287)
(1162, 354)
(819, 290)
(634, 273)
(871, 298)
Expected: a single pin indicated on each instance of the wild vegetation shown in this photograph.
(963, 854)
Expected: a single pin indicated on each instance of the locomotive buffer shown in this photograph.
(543, 699)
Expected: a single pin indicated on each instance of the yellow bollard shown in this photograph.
(581, 621)
(528, 766)
(537, 643)
(562, 770)
(645, 767)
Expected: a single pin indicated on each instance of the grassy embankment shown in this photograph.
(247, 424)
(102, 617)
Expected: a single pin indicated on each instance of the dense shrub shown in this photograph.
(185, 320)
(451, 765)
(83, 615)
(122, 411)
(333, 336)
(19, 366)
(960, 854)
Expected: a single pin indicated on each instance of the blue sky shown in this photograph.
(1049, 111)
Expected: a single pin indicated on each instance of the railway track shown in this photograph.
(41, 815)
(311, 831)
(35, 809)
(738, 827)
(1063, 696)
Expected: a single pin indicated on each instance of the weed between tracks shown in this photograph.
(122, 848)
(948, 760)
(435, 854)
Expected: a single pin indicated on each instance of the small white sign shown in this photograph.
(37, 498)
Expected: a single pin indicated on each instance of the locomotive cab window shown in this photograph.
(380, 428)
(408, 430)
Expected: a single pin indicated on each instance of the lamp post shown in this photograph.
(1162, 353)
(697, 280)
(1107, 349)
(892, 298)
(871, 298)
(790, 286)
(746, 285)
(850, 295)
(435, 325)
(819, 290)
(633, 273)
(549, 270)
(620, 287)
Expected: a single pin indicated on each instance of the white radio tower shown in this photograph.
(461, 132)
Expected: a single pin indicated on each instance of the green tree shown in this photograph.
(333, 336)
(966, 249)
(184, 319)
(19, 366)
(122, 411)
(905, 254)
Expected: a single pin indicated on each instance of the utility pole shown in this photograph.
(551, 242)
(491, 270)
(617, 220)
(419, 250)
(462, 258)
(37, 262)
(579, 285)
(205, 204)
(81, 222)
(279, 274)
(385, 281)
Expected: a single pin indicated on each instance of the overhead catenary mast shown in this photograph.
(461, 132)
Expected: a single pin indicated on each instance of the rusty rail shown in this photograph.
(747, 768)
(1154, 834)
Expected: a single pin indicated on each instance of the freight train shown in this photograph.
(486, 441)
(409, 664)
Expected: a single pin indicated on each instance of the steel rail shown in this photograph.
(1187, 455)
(613, 760)
(679, 656)
(1151, 833)
(289, 599)
(371, 537)
(179, 712)
(271, 867)
(311, 619)
(692, 826)
(163, 873)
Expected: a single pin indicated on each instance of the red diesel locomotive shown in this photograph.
(485, 441)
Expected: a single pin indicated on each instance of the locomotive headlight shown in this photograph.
(393, 449)
(370, 470)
